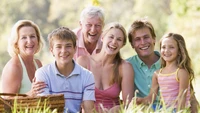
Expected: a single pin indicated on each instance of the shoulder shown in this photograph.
(13, 68)
(182, 73)
(83, 61)
(126, 67)
(126, 64)
(131, 59)
(39, 63)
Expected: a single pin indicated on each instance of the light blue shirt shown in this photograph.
(143, 74)
(77, 87)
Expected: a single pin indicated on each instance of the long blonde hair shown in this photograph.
(118, 60)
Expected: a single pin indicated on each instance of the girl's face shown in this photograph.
(28, 40)
(169, 49)
(63, 51)
(113, 41)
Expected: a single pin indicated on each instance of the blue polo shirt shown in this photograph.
(143, 74)
(77, 87)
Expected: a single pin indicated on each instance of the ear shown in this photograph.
(51, 50)
(132, 45)
(80, 23)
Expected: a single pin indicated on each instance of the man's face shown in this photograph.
(143, 42)
(91, 29)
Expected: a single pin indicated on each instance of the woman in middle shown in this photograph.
(112, 74)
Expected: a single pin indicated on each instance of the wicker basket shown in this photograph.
(51, 102)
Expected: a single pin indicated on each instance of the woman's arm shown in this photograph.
(11, 77)
(127, 83)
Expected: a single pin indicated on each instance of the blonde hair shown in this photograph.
(12, 43)
(118, 60)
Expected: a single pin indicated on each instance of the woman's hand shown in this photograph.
(36, 87)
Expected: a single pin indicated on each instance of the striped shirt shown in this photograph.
(77, 87)
(169, 89)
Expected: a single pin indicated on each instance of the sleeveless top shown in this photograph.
(169, 89)
(108, 97)
(25, 83)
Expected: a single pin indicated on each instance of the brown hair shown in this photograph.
(138, 24)
(62, 33)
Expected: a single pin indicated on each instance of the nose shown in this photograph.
(93, 28)
(29, 39)
(142, 41)
(114, 41)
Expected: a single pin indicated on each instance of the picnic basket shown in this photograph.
(22, 102)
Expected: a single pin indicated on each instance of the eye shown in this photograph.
(88, 25)
(33, 36)
(119, 39)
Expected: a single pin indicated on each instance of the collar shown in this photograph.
(156, 64)
(76, 71)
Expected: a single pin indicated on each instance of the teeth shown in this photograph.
(113, 47)
(144, 48)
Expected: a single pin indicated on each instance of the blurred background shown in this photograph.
(179, 16)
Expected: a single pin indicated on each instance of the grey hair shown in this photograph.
(92, 11)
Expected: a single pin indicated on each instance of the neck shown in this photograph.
(106, 59)
(150, 60)
(90, 47)
(65, 69)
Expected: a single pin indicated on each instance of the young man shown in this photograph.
(65, 76)
(143, 38)
(88, 34)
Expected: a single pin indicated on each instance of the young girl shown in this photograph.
(175, 76)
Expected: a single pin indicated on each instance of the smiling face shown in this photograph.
(143, 42)
(28, 41)
(63, 51)
(113, 41)
(91, 29)
(169, 49)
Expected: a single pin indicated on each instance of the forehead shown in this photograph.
(26, 29)
(57, 41)
(168, 41)
(116, 32)
(141, 32)
(93, 19)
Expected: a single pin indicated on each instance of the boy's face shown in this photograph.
(63, 51)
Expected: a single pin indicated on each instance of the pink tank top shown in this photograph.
(107, 98)
(169, 89)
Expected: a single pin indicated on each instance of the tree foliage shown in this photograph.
(179, 16)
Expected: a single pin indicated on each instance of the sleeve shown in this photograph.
(40, 75)
(89, 89)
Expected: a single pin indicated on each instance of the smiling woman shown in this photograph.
(24, 43)
(112, 73)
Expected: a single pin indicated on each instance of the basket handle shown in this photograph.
(13, 94)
